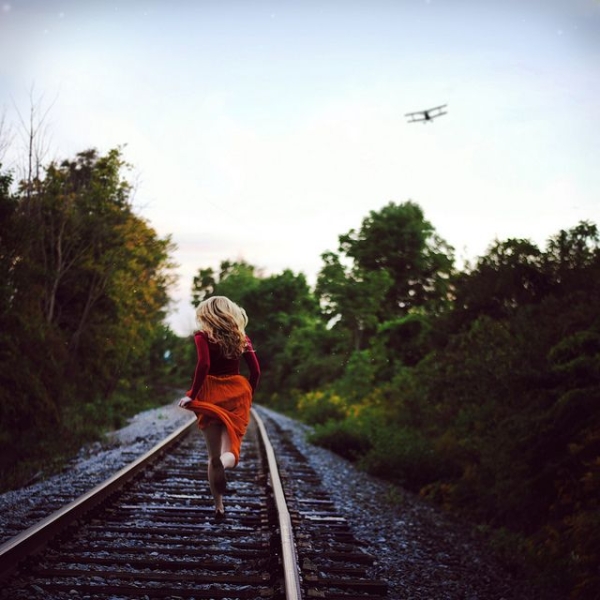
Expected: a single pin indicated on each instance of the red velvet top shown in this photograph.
(212, 362)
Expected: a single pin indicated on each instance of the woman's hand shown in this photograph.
(184, 401)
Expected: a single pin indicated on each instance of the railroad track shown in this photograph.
(149, 532)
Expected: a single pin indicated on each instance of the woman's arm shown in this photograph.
(253, 365)
(202, 366)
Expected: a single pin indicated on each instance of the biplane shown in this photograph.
(427, 115)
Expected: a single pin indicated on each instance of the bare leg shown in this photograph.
(213, 437)
(220, 457)
(227, 456)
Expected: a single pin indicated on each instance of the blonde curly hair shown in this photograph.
(224, 322)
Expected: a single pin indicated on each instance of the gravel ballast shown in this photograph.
(422, 552)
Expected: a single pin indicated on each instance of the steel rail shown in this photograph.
(37, 536)
(291, 574)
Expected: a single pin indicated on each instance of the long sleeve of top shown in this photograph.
(253, 366)
(212, 362)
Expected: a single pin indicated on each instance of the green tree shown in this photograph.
(573, 258)
(235, 280)
(103, 273)
(511, 274)
(399, 240)
(278, 306)
(88, 292)
(350, 298)
(9, 240)
(281, 305)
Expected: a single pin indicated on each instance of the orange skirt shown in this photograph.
(226, 399)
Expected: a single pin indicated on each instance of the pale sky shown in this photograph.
(262, 130)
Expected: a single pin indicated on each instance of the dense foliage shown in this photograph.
(82, 302)
(478, 389)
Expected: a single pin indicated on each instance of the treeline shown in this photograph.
(83, 295)
(478, 388)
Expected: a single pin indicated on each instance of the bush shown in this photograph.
(317, 408)
(403, 455)
(343, 437)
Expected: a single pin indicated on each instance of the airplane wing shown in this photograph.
(428, 114)
(428, 111)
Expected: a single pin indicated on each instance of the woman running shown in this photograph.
(221, 397)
